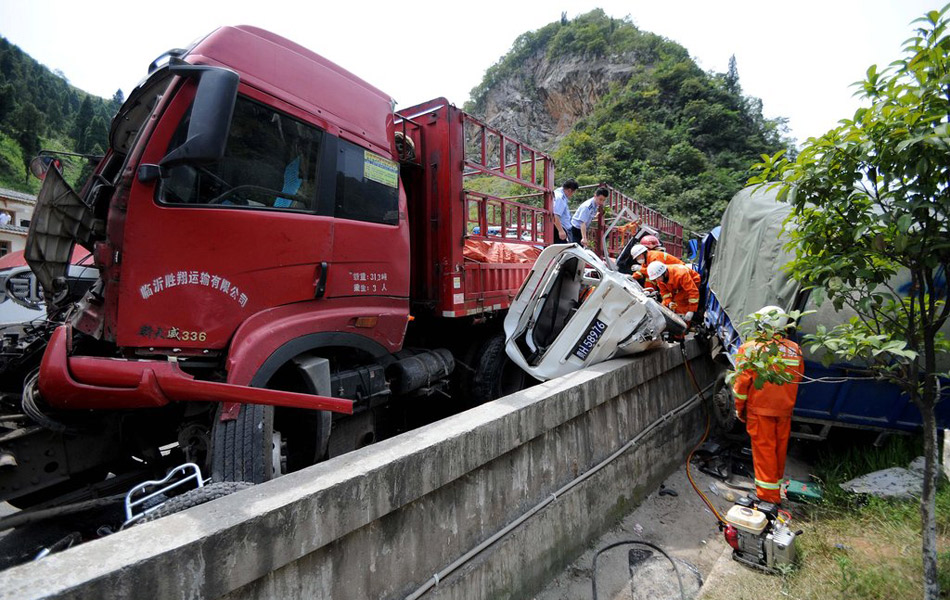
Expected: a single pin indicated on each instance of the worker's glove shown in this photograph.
(635, 268)
(688, 316)
(673, 306)
(740, 416)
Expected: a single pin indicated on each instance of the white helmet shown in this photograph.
(637, 250)
(655, 270)
(771, 315)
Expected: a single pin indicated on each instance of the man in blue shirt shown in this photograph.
(562, 213)
(584, 216)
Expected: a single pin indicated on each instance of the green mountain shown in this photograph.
(41, 110)
(630, 108)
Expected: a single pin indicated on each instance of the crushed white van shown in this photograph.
(574, 311)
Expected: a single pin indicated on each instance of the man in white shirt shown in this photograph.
(562, 213)
(585, 214)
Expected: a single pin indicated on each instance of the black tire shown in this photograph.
(495, 374)
(242, 449)
(723, 406)
(195, 497)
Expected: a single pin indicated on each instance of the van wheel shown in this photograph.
(495, 374)
(246, 448)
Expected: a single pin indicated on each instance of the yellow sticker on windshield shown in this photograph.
(378, 169)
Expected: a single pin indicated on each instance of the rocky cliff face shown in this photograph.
(541, 103)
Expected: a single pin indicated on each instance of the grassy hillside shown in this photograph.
(41, 110)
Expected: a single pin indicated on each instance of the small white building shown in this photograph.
(16, 210)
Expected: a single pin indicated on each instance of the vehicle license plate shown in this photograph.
(590, 339)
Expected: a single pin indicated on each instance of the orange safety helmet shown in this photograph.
(650, 241)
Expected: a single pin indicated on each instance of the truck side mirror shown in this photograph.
(210, 114)
(148, 173)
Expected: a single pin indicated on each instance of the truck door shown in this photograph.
(213, 243)
(371, 233)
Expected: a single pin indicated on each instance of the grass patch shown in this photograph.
(856, 548)
(11, 165)
(12, 170)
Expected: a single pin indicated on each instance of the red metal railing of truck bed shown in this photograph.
(468, 180)
(491, 156)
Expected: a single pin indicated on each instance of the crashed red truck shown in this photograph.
(280, 256)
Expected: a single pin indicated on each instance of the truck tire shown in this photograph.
(723, 406)
(242, 449)
(495, 374)
(210, 492)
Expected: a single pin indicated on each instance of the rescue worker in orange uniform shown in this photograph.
(767, 412)
(679, 287)
(642, 256)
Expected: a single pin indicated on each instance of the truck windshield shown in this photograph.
(275, 162)
(135, 111)
(271, 161)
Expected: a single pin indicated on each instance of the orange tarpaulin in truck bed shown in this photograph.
(486, 251)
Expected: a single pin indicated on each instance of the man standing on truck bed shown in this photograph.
(584, 216)
(562, 212)
(767, 412)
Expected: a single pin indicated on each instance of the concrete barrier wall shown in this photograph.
(379, 522)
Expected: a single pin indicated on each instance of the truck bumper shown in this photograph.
(87, 382)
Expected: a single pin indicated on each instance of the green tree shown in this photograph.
(28, 121)
(870, 198)
(81, 122)
(117, 99)
(7, 105)
(97, 134)
(732, 76)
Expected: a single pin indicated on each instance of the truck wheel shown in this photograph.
(723, 405)
(210, 492)
(246, 448)
(495, 374)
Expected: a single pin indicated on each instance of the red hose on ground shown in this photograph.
(701, 442)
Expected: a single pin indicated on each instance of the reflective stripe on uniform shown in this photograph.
(739, 396)
(696, 301)
(666, 295)
(768, 486)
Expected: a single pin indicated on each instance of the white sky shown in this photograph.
(799, 57)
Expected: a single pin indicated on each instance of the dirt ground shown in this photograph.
(682, 526)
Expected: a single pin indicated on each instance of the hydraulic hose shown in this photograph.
(689, 458)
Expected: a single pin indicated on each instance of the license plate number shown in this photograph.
(590, 339)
